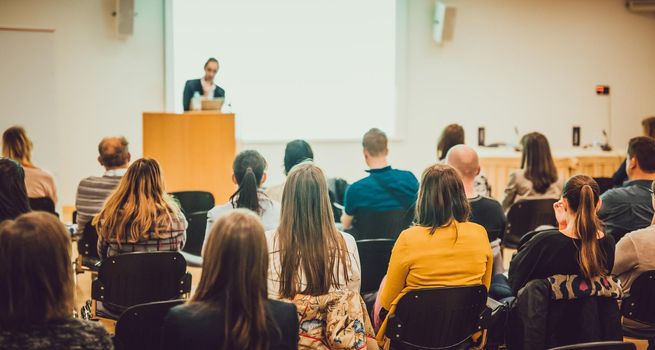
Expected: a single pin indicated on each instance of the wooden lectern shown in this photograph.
(195, 150)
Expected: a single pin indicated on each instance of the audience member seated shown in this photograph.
(384, 189)
(229, 309)
(17, 146)
(451, 136)
(94, 190)
(13, 195)
(620, 175)
(249, 173)
(37, 289)
(296, 152)
(308, 255)
(443, 249)
(537, 178)
(140, 216)
(579, 247)
(628, 208)
(484, 211)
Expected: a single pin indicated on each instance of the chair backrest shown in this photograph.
(603, 345)
(43, 204)
(525, 216)
(374, 255)
(136, 278)
(381, 224)
(87, 244)
(438, 318)
(640, 304)
(194, 201)
(195, 233)
(139, 327)
(604, 183)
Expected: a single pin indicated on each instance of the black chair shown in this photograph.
(43, 204)
(195, 237)
(194, 201)
(136, 278)
(337, 191)
(441, 318)
(382, 224)
(640, 306)
(603, 345)
(525, 216)
(139, 327)
(374, 255)
(87, 250)
(604, 183)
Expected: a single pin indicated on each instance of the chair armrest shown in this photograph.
(97, 290)
(192, 260)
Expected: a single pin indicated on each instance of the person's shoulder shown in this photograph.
(183, 312)
(220, 210)
(193, 81)
(404, 173)
(350, 240)
(491, 203)
(91, 331)
(647, 233)
(281, 307)
(614, 194)
(474, 229)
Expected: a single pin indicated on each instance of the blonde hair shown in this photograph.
(17, 146)
(139, 205)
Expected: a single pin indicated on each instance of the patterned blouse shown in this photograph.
(57, 335)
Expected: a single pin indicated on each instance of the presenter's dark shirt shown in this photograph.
(190, 89)
(198, 326)
(627, 208)
(384, 189)
(489, 214)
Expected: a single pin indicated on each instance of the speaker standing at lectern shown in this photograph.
(205, 86)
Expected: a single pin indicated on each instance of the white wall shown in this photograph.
(103, 81)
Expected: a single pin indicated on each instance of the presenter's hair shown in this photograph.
(441, 198)
(139, 206)
(13, 194)
(307, 237)
(114, 151)
(248, 168)
(211, 59)
(375, 142)
(16, 145)
(234, 279)
(37, 279)
(537, 161)
(296, 152)
(452, 135)
(643, 149)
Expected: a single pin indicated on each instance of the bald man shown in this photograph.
(485, 211)
(114, 156)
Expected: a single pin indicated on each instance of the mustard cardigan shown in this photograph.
(455, 255)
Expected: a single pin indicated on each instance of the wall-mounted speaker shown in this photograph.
(124, 17)
(438, 21)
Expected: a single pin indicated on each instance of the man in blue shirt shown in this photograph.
(384, 189)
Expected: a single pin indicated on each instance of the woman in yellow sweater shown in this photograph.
(443, 249)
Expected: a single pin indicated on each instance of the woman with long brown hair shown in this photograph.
(229, 309)
(537, 177)
(308, 254)
(442, 249)
(17, 146)
(140, 216)
(37, 289)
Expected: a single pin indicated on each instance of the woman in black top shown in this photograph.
(230, 309)
(13, 195)
(579, 247)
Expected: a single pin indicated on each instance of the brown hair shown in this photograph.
(139, 205)
(375, 142)
(234, 279)
(17, 146)
(114, 151)
(441, 198)
(582, 194)
(309, 241)
(538, 162)
(643, 149)
(452, 135)
(35, 270)
(248, 168)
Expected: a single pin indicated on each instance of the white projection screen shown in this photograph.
(312, 69)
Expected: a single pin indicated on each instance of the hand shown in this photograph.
(560, 213)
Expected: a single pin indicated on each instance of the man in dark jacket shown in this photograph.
(205, 86)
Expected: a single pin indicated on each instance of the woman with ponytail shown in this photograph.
(578, 247)
(249, 174)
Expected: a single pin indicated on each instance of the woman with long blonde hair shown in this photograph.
(230, 309)
(140, 216)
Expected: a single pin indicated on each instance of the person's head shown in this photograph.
(17, 146)
(249, 173)
(451, 136)
(441, 198)
(307, 236)
(465, 160)
(641, 158)
(211, 68)
(648, 125)
(234, 278)
(139, 204)
(296, 152)
(114, 153)
(13, 194)
(581, 201)
(35, 270)
(538, 162)
(375, 146)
